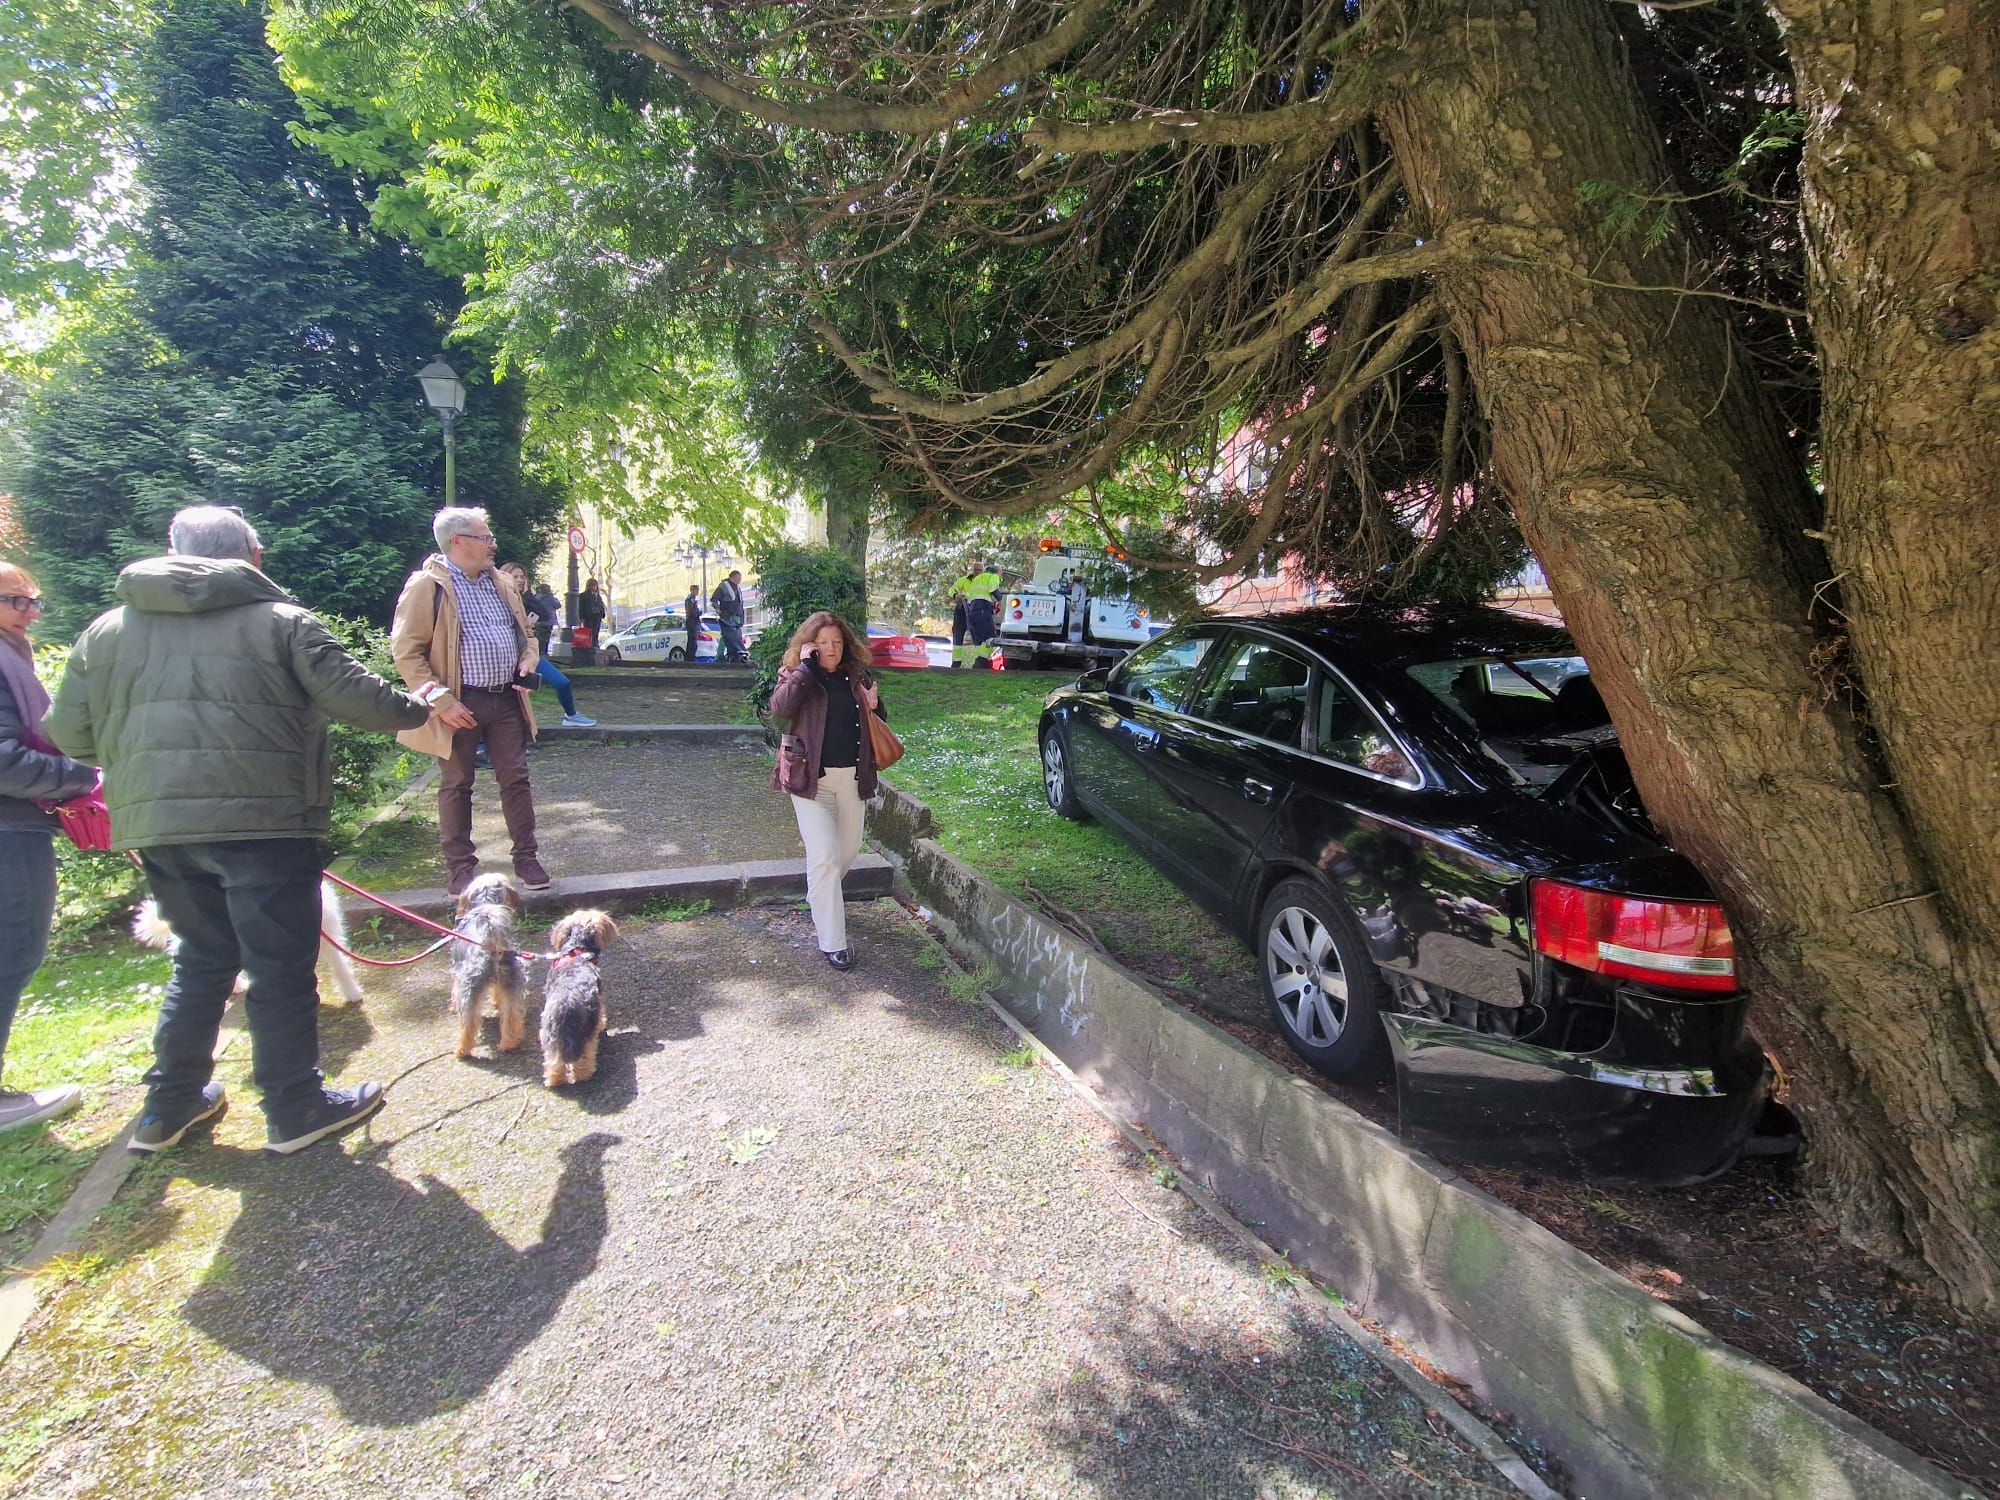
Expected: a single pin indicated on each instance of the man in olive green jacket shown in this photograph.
(205, 698)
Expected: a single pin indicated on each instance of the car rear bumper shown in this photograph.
(1503, 1102)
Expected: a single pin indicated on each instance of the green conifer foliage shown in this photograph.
(262, 354)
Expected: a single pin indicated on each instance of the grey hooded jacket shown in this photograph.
(205, 698)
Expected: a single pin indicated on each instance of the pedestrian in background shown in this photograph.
(590, 610)
(459, 623)
(206, 697)
(542, 606)
(728, 602)
(692, 604)
(32, 773)
(826, 762)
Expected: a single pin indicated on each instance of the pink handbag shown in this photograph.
(85, 819)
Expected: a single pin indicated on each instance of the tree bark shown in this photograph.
(1901, 208)
(1654, 484)
(847, 524)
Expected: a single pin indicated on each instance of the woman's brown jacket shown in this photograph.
(798, 709)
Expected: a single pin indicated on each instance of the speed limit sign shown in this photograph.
(576, 539)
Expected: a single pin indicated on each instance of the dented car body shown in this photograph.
(1421, 823)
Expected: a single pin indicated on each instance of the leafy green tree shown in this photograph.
(262, 355)
(64, 126)
(796, 581)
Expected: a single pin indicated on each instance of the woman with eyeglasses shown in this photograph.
(32, 772)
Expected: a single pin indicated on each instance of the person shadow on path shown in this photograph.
(396, 1296)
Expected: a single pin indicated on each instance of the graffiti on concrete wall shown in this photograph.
(1046, 964)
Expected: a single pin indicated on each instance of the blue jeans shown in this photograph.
(553, 676)
(26, 913)
(251, 905)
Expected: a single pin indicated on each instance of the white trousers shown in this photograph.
(830, 824)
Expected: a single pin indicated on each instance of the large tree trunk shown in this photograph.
(1654, 484)
(1902, 216)
(847, 524)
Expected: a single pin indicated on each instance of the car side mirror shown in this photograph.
(1095, 680)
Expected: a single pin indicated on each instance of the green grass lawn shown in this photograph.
(972, 757)
(87, 1018)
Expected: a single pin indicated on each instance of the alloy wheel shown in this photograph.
(1307, 981)
(1055, 772)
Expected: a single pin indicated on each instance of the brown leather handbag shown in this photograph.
(882, 739)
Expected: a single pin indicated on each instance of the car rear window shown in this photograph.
(1511, 702)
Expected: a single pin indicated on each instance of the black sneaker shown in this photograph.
(158, 1132)
(335, 1110)
(840, 959)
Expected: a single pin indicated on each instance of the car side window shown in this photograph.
(1161, 672)
(1344, 730)
(1261, 690)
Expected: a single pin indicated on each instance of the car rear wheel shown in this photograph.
(676, 653)
(612, 656)
(1323, 987)
(1058, 780)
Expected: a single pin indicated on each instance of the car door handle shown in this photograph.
(1145, 739)
(1255, 790)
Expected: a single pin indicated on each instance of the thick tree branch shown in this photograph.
(1116, 434)
(840, 115)
(1358, 91)
(1222, 245)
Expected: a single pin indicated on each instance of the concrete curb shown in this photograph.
(677, 734)
(1637, 1399)
(719, 885)
(720, 677)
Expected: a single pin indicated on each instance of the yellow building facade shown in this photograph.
(643, 570)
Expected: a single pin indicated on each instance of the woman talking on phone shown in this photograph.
(826, 761)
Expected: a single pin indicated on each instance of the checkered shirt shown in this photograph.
(489, 650)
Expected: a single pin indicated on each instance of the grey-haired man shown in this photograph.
(205, 698)
(460, 623)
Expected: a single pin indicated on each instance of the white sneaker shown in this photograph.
(31, 1107)
(578, 721)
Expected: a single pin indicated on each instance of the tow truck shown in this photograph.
(1054, 618)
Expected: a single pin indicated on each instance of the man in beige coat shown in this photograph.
(460, 624)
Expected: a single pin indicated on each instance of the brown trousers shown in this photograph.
(503, 722)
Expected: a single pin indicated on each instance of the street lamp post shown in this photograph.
(687, 552)
(446, 394)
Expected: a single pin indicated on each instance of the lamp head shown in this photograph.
(442, 388)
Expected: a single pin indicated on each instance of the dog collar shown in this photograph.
(568, 955)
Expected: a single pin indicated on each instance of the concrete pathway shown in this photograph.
(807, 1233)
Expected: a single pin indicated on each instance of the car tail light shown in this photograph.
(1682, 944)
(1133, 623)
(1017, 614)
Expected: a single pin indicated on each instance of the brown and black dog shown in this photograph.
(573, 1015)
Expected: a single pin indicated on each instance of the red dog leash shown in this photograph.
(447, 933)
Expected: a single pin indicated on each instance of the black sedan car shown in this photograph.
(1422, 824)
